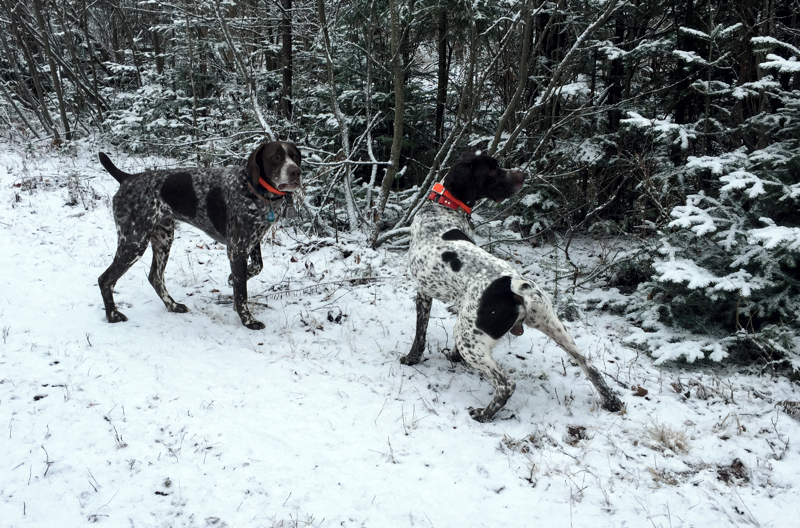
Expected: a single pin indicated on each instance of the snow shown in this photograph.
(741, 179)
(664, 127)
(690, 57)
(791, 65)
(773, 236)
(694, 32)
(693, 217)
(194, 420)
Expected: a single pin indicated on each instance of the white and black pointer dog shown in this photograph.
(491, 296)
(233, 205)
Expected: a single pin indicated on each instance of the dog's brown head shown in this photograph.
(278, 163)
(478, 176)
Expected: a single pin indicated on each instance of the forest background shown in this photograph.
(673, 125)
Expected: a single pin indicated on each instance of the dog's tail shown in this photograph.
(539, 313)
(112, 169)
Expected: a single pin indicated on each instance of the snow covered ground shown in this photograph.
(193, 420)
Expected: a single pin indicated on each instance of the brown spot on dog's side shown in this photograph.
(217, 210)
(178, 192)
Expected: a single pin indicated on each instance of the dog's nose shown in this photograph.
(293, 175)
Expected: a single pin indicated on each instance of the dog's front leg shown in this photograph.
(424, 303)
(239, 274)
(256, 264)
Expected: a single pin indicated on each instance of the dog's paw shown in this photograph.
(180, 308)
(479, 415)
(255, 325)
(408, 360)
(613, 404)
(116, 317)
(454, 356)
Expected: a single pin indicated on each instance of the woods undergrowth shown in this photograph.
(672, 123)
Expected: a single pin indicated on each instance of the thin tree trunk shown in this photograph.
(75, 71)
(522, 80)
(22, 87)
(368, 34)
(442, 76)
(245, 73)
(126, 24)
(33, 70)
(13, 103)
(557, 77)
(286, 53)
(158, 53)
(398, 70)
(344, 127)
(465, 109)
(62, 107)
(191, 76)
(93, 60)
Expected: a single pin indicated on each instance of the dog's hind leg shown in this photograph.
(131, 245)
(423, 303)
(554, 329)
(475, 348)
(161, 240)
(610, 401)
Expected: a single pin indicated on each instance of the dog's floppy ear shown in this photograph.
(255, 164)
(460, 183)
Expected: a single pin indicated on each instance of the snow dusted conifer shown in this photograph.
(727, 276)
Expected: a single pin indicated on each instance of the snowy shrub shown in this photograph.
(727, 266)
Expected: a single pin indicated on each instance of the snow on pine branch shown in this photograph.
(773, 42)
(717, 164)
(774, 236)
(690, 57)
(695, 277)
(790, 65)
(754, 89)
(740, 179)
(690, 216)
(665, 345)
(783, 65)
(664, 127)
(694, 32)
